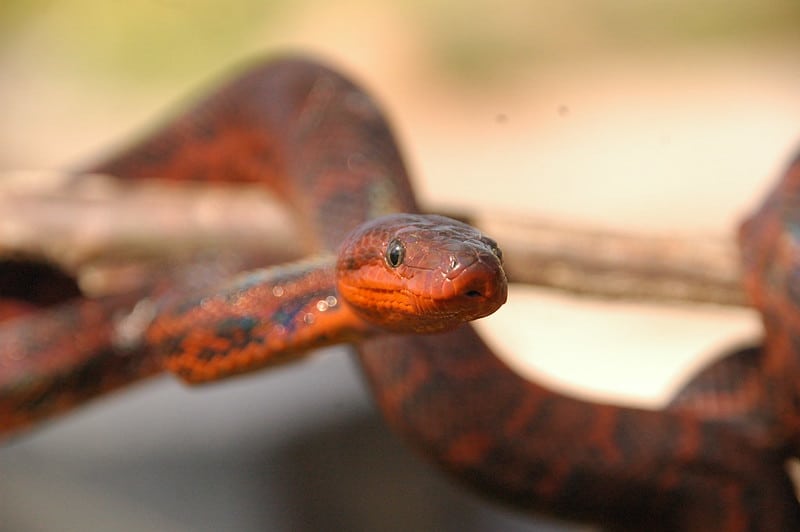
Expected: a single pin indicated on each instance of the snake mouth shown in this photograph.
(484, 291)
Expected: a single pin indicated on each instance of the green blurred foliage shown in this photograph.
(483, 38)
(141, 39)
(14, 13)
(468, 41)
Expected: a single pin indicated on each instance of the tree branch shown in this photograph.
(103, 221)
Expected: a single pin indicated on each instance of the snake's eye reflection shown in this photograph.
(395, 253)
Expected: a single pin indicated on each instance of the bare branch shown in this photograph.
(105, 221)
(607, 264)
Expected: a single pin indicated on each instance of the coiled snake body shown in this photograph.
(322, 144)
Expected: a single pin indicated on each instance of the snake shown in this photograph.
(321, 143)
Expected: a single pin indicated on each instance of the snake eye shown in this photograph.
(395, 253)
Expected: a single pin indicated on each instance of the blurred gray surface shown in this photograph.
(300, 448)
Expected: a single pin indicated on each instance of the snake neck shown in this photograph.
(269, 316)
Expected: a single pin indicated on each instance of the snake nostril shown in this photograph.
(473, 293)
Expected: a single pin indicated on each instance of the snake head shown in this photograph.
(420, 273)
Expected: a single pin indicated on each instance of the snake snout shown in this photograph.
(482, 285)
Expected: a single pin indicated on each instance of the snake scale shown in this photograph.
(713, 460)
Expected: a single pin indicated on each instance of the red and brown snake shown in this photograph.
(322, 144)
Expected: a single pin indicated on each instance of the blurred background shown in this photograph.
(666, 116)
